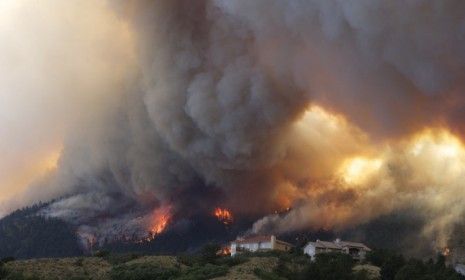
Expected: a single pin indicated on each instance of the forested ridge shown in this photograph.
(24, 234)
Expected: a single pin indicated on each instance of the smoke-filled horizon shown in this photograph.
(148, 111)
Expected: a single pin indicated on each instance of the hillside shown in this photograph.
(206, 265)
(23, 234)
(102, 269)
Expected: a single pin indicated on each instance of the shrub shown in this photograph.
(7, 259)
(188, 260)
(142, 272)
(19, 276)
(79, 278)
(207, 271)
(3, 272)
(283, 270)
(121, 258)
(79, 262)
(232, 261)
(102, 254)
(265, 254)
(208, 254)
(265, 275)
(414, 269)
(297, 251)
(361, 275)
(335, 266)
(391, 266)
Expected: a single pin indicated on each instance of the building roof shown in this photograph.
(325, 245)
(351, 244)
(338, 245)
(253, 239)
(258, 239)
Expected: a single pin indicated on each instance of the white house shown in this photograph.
(354, 249)
(258, 243)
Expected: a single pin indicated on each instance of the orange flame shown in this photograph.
(224, 215)
(446, 252)
(160, 225)
(159, 221)
(224, 251)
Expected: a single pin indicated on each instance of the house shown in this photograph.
(355, 249)
(258, 243)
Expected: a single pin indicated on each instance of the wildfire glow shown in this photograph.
(15, 181)
(224, 251)
(338, 165)
(159, 221)
(224, 215)
(446, 252)
(440, 144)
(358, 169)
(51, 161)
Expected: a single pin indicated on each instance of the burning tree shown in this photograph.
(223, 215)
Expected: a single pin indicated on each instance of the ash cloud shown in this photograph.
(338, 109)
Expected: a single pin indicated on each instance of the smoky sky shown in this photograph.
(344, 111)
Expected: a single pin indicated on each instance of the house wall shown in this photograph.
(362, 254)
(281, 247)
(273, 244)
(311, 250)
(356, 252)
(233, 249)
(265, 245)
(252, 247)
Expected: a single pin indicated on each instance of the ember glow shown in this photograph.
(224, 251)
(223, 215)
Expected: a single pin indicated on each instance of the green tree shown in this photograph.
(414, 269)
(3, 272)
(330, 266)
(379, 256)
(391, 266)
(208, 254)
(361, 275)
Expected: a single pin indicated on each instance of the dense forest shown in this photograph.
(24, 234)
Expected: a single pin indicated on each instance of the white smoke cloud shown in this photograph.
(58, 68)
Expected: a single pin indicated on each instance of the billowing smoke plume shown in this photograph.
(340, 110)
(60, 71)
